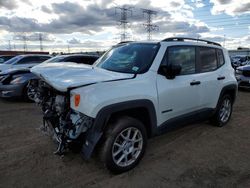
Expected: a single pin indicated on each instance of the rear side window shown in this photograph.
(28, 60)
(44, 58)
(184, 56)
(82, 60)
(33, 59)
(220, 57)
(74, 59)
(208, 60)
(90, 60)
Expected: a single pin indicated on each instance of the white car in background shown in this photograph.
(23, 61)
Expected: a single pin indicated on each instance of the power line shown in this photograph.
(123, 20)
(148, 25)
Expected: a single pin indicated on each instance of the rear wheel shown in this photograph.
(124, 145)
(223, 112)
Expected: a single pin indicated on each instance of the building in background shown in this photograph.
(6, 52)
(240, 51)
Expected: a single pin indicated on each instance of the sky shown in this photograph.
(93, 25)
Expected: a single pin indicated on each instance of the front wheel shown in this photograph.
(223, 112)
(124, 145)
(29, 92)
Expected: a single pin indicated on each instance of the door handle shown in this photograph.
(221, 78)
(195, 83)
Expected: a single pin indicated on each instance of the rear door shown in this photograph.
(180, 95)
(209, 63)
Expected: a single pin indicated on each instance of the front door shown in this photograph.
(180, 95)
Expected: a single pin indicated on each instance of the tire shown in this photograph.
(26, 95)
(115, 148)
(225, 106)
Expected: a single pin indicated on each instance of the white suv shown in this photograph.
(135, 91)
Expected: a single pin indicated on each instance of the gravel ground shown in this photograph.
(198, 155)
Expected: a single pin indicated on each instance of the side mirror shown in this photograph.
(170, 71)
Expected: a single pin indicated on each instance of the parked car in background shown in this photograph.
(4, 58)
(242, 74)
(23, 61)
(16, 82)
(240, 60)
(75, 58)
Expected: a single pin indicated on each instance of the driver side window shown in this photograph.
(183, 56)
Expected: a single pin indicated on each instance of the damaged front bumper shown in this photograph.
(72, 131)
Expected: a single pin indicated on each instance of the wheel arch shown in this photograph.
(230, 90)
(142, 109)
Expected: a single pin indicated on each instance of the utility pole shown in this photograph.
(149, 26)
(24, 43)
(68, 49)
(125, 12)
(9, 45)
(41, 41)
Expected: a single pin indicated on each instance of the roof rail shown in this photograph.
(124, 42)
(173, 39)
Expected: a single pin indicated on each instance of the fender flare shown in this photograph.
(230, 87)
(94, 134)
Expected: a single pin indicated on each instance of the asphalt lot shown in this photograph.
(198, 155)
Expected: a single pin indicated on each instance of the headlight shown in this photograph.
(2, 78)
(17, 80)
(238, 71)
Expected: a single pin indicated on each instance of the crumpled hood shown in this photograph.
(66, 75)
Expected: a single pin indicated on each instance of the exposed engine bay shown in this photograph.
(66, 126)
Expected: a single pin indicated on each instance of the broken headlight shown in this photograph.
(80, 124)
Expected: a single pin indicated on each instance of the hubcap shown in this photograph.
(127, 147)
(31, 92)
(225, 110)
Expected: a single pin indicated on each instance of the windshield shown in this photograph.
(55, 59)
(134, 58)
(13, 60)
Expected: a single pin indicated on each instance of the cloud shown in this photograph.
(224, 1)
(17, 24)
(46, 9)
(12, 4)
(181, 27)
(34, 37)
(230, 7)
(74, 41)
(198, 3)
(8, 4)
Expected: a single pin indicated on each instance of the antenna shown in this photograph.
(41, 41)
(123, 21)
(148, 25)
